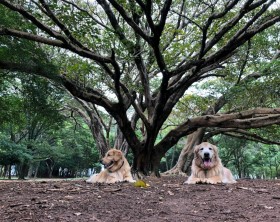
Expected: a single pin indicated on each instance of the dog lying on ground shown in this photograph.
(117, 169)
(207, 166)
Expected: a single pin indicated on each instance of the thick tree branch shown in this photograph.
(147, 9)
(163, 16)
(33, 37)
(240, 134)
(129, 20)
(84, 93)
(65, 42)
(95, 124)
(255, 118)
(54, 42)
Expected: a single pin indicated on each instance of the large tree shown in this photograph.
(141, 57)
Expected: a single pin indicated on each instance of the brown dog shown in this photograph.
(117, 169)
(207, 166)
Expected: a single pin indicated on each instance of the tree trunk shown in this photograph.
(94, 122)
(276, 168)
(146, 163)
(155, 163)
(5, 171)
(141, 164)
(37, 169)
(1, 171)
(173, 156)
(166, 165)
(30, 171)
(185, 157)
(9, 171)
(120, 142)
(23, 169)
(50, 166)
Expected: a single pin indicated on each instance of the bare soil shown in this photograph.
(167, 199)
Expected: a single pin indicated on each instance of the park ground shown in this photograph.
(166, 199)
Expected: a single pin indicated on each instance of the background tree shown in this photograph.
(142, 57)
(37, 135)
(29, 115)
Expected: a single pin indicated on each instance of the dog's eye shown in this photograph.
(201, 148)
(210, 148)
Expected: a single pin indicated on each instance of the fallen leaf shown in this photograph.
(141, 183)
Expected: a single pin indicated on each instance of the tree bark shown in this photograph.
(50, 165)
(30, 170)
(9, 171)
(37, 169)
(146, 163)
(185, 157)
(95, 124)
(23, 170)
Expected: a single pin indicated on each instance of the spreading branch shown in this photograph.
(255, 118)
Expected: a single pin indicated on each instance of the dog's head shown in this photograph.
(206, 155)
(113, 160)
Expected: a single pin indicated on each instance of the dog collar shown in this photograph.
(118, 168)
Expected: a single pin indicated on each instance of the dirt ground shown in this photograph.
(167, 199)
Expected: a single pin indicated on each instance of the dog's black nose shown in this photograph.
(206, 155)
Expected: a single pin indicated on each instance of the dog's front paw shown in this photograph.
(202, 182)
(88, 181)
(210, 181)
(192, 180)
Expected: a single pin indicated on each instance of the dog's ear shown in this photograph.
(195, 151)
(216, 154)
(117, 155)
(215, 149)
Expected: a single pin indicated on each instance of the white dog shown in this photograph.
(207, 166)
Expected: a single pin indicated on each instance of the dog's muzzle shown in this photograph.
(107, 165)
(207, 160)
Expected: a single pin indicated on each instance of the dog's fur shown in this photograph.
(117, 169)
(207, 166)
